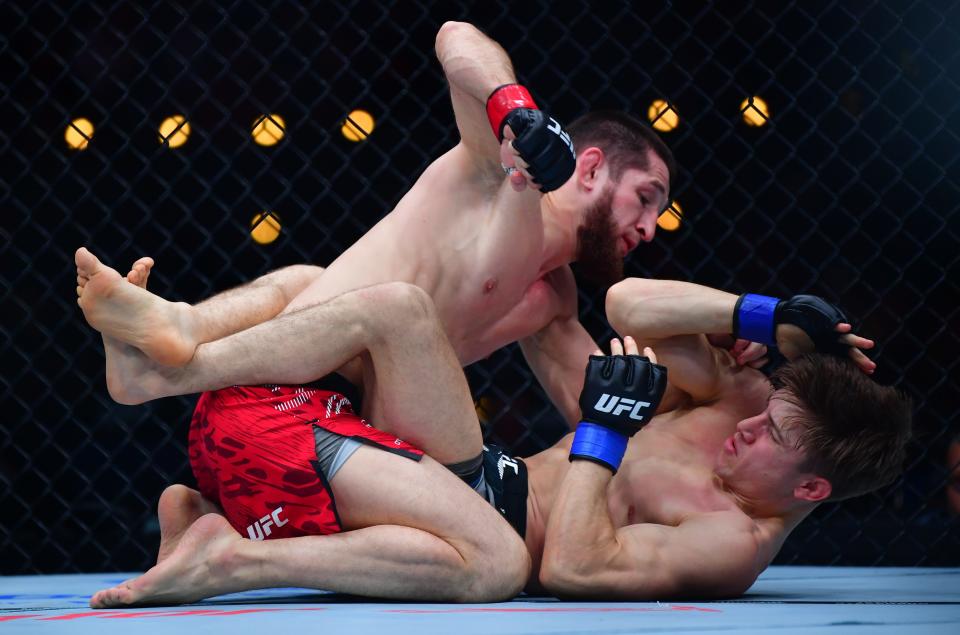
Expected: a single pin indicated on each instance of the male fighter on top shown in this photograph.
(492, 253)
(696, 505)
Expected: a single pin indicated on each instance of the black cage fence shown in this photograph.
(818, 146)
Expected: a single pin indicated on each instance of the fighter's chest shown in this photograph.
(481, 325)
(663, 491)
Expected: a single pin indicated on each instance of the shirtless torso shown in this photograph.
(454, 234)
(667, 476)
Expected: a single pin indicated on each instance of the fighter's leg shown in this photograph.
(417, 533)
(169, 332)
(417, 388)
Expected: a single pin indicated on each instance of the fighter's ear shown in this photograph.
(813, 489)
(591, 162)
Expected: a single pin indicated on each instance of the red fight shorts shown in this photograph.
(252, 451)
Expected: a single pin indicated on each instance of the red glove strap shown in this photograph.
(504, 99)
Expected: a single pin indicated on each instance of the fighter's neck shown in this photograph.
(560, 224)
(787, 514)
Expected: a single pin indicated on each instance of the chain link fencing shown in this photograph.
(841, 180)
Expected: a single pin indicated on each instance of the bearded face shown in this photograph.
(598, 252)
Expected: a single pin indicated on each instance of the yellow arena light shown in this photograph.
(358, 125)
(174, 131)
(78, 134)
(268, 130)
(755, 111)
(669, 219)
(662, 115)
(265, 228)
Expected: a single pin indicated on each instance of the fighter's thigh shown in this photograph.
(376, 487)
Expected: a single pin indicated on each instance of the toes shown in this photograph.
(140, 271)
(86, 262)
(146, 262)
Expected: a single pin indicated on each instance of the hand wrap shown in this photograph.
(541, 142)
(756, 317)
(620, 395)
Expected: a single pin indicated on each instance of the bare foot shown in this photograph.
(131, 314)
(203, 565)
(140, 271)
(179, 507)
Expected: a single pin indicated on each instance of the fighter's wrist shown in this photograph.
(504, 99)
(599, 444)
(754, 318)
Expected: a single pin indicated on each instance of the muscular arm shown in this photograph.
(585, 556)
(474, 65)
(557, 353)
(671, 317)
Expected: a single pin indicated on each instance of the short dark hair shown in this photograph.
(854, 431)
(624, 139)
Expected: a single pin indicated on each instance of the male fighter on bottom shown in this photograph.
(698, 506)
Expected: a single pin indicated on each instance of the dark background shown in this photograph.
(850, 191)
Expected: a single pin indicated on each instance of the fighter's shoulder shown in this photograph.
(462, 164)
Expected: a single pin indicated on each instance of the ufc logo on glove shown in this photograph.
(607, 403)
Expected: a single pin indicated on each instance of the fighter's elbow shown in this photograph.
(556, 580)
(565, 576)
(448, 32)
(621, 298)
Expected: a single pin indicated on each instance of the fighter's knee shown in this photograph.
(307, 272)
(401, 303)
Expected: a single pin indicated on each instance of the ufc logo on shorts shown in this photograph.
(261, 529)
(555, 128)
(619, 405)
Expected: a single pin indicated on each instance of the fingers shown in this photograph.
(856, 341)
(857, 345)
(745, 353)
(648, 352)
(866, 364)
(514, 165)
(852, 339)
(523, 170)
(627, 346)
(616, 347)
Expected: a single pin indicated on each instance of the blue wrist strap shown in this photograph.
(753, 318)
(598, 443)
